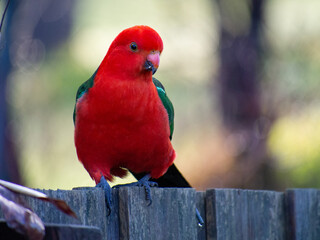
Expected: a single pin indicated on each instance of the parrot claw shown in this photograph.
(108, 193)
(143, 182)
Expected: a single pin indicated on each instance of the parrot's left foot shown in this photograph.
(108, 192)
(143, 182)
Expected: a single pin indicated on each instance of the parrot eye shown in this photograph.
(133, 47)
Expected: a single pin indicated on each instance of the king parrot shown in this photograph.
(123, 117)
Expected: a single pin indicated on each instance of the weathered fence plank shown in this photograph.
(201, 206)
(55, 232)
(89, 205)
(228, 213)
(72, 232)
(175, 219)
(244, 214)
(303, 214)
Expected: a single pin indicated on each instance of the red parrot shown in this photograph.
(124, 119)
(122, 115)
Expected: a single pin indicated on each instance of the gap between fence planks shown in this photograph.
(228, 213)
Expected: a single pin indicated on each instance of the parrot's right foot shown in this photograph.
(107, 191)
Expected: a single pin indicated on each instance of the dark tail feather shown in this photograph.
(172, 178)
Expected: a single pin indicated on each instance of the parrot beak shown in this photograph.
(152, 62)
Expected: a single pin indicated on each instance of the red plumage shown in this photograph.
(121, 121)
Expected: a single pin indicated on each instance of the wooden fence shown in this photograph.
(228, 213)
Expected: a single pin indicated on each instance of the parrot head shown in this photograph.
(134, 52)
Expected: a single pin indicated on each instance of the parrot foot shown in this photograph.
(108, 193)
(143, 182)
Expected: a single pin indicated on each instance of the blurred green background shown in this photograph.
(49, 48)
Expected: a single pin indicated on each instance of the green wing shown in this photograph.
(166, 103)
(82, 90)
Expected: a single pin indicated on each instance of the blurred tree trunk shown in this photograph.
(8, 158)
(32, 28)
(239, 94)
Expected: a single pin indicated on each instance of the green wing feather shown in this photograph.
(166, 103)
(82, 90)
